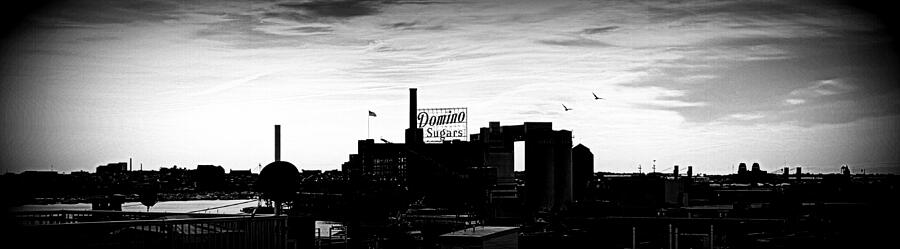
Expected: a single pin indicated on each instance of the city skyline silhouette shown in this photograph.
(690, 83)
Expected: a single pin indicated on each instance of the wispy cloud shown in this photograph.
(233, 83)
(88, 14)
(795, 101)
(414, 25)
(696, 78)
(312, 29)
(591, 31)
(826, 87)
(335, 9)
(577, 42)
(745, 116)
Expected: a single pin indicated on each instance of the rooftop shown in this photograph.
(482, 232)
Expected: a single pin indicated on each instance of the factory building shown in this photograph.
(582, 171)
(113, 168)
(482, 167)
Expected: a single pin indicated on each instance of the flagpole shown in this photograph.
(368, 124)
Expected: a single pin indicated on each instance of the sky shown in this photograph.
(704, 83)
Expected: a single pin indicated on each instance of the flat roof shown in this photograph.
(710, 207)
(482, 232)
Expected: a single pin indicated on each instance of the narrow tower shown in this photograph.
(277, 143)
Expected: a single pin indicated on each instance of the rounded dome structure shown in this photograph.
(278, 181)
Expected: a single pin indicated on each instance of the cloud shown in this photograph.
(98, 38)
(286, 24)
(592, 31)
(824, 88)
(696, 78)
(741, 52)
(239, 29)
(255, 30)
(233, 84)
(335, 9)
(70, 14)
(289, 15)
(312, 29)
(659, 98)
(538, 113)
(670, 104)
(418, 2)
(745, 116)
(414, 25)
(402, 25)
(846, 110)
(740, 9)
(795, 101)
(579, 42)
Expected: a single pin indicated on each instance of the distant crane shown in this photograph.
(595, 96)
(566, 108)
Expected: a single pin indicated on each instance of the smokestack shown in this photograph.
(277, 143)
(130, 165)
(676, 172)
(412, 108)
(413, 133)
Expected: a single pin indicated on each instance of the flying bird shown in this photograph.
(595, 96)
(566, 108)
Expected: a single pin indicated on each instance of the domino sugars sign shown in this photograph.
(440, 124)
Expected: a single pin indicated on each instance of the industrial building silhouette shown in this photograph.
(457, 193)
(481, 168)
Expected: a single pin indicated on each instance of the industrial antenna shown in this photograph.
(654, 165)
(639, 169)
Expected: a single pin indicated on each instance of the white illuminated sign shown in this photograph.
(443, 124)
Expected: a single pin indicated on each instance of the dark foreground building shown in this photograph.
(476, 172)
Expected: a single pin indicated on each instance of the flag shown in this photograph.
(372, 114)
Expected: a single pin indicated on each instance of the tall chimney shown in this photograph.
(412, 108)
(676, 172)
(413, 133)
(277, 143)
(130, 166)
